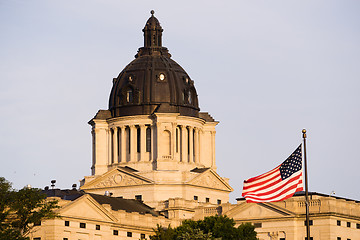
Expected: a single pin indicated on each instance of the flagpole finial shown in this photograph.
(304, 133)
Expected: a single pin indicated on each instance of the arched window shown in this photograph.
(148, 139)
(138, 141)
(167, 142)
(129, 95)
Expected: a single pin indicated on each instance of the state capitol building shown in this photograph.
(153, 162)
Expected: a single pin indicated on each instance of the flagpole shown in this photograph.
(306, 189)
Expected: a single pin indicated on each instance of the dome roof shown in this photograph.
(153, 82)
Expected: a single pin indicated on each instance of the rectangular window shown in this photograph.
(310, 222)
(338, 238)
(196, 198)
(177, 139)
(358, 225)
(311, 238)
(128, 139)
(138, 139)
(193, 137)
(67, 223)
(37, 238)
(257, 225)
(282, 238)
(97, 227)
(148, 139)
(348, 224)
(138, 197)
(218, 201)
(82, 225)
(207, 199)
(338, 222)
(65, 239)
(129, 234)
(142, 236)
(115, 232)
(112, 144)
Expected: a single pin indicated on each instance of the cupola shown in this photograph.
(153, 82)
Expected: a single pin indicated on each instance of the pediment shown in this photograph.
(86, 207)
(115, 178)
(210, 179)
(257, 211)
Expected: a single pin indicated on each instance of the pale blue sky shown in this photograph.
(264, 69)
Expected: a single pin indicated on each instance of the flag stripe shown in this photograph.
(268, 189)
(278, 184)
(284, 194)
(261, 181)
(264, 175)
(263, 184)
(275, 192)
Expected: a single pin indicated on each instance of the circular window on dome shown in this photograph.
(161, 77)
(131, 78)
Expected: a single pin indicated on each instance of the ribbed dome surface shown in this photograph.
(153, 82)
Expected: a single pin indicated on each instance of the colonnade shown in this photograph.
(187, 144)
(131, 143)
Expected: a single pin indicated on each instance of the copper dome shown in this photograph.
(153, 82)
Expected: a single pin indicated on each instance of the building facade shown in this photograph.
(84, 216)
(153, 143)
(331, 217)
(153, 162)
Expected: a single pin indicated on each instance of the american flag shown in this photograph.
(278, 184)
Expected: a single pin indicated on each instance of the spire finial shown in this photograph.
(152, 12)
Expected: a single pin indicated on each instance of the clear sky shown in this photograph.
(264, 69)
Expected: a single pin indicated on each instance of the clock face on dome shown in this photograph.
(162, 76)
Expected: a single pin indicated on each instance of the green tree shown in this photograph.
(162, 233)
(247, 231)
(220, 226)
(214, 227)
(21, 209)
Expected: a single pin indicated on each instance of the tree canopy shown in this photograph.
(214, 227)
(21, 209)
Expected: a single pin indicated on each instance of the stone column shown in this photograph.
(122, 144)
(93, 143)
(153, 148)
(142, 142)
(173, 140)
(115, 146)
(201, 147)
(191, 144)
(109, 147)
(132, 143)
(184, 152)
(196, 141)
(213, 164)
